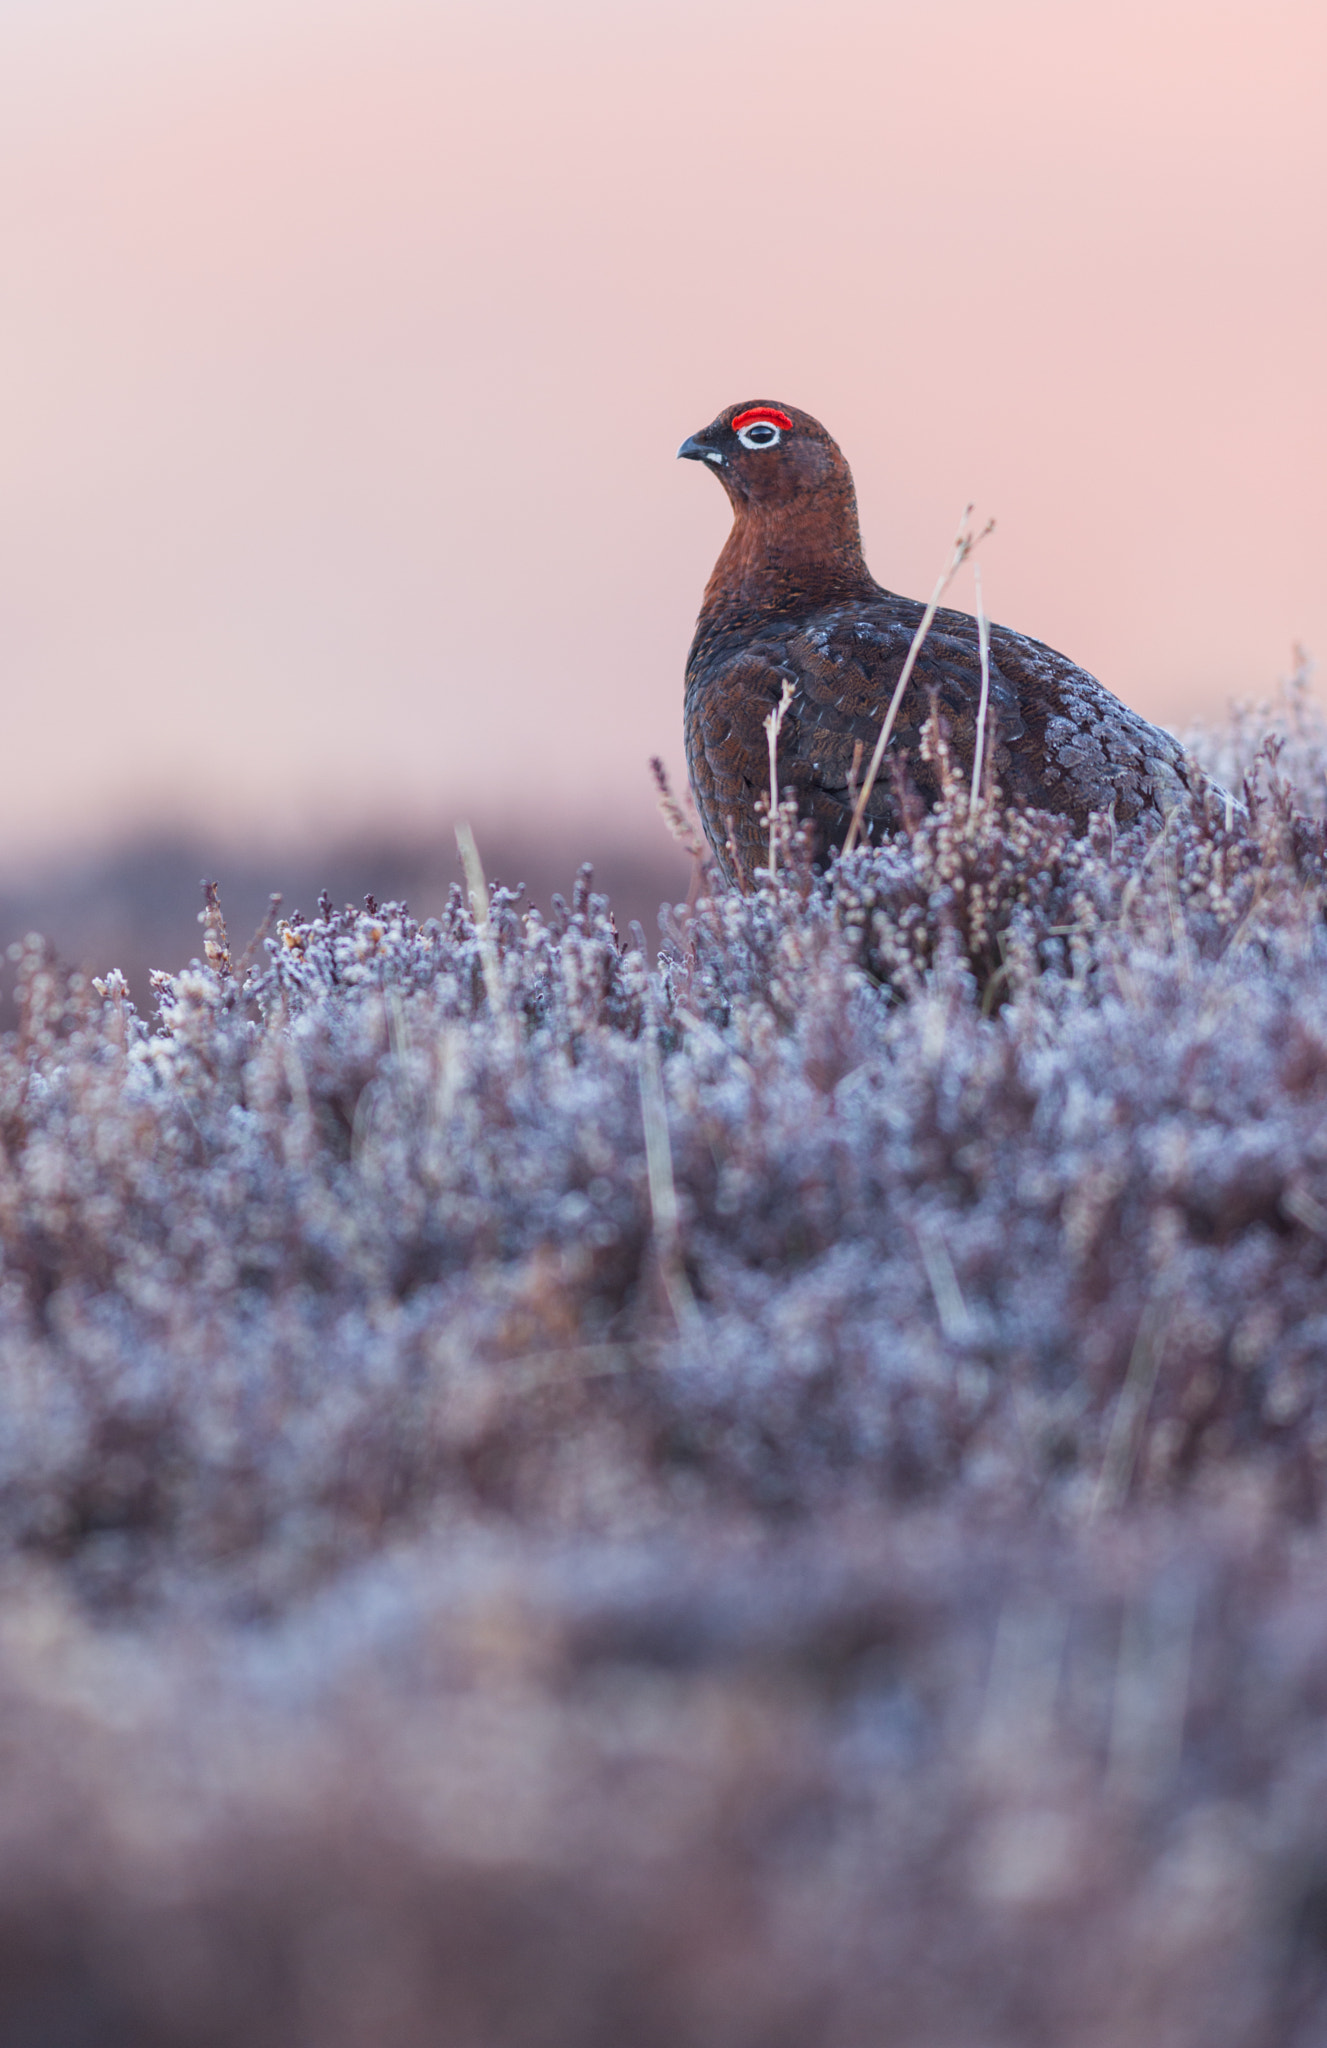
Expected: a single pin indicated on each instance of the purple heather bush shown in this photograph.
(762, 1495)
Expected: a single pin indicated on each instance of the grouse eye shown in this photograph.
(761, 426)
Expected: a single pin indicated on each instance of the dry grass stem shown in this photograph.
(682, 824)
(773, 727)
(216, 944)
(964, 543)
(983, 707)
(1131, 1406)
(955, 1317)
(662, 1185)
(477, 888)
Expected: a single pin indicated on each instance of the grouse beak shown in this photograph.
(694, 450)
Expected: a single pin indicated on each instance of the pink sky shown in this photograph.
(344, 353)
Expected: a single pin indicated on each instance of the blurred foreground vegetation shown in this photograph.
(769, 1496)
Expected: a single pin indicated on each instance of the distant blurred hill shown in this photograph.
(136, 906)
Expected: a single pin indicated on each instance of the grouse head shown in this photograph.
(768, 454)
(795, 538)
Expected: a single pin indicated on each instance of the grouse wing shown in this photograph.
(1055, 739)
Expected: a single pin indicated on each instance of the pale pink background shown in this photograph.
(344, 351)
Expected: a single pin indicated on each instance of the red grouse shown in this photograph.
(791, 600)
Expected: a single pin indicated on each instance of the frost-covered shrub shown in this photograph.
(722, 1489)
(939, 1144)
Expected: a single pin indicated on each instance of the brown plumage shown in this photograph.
(791, 598)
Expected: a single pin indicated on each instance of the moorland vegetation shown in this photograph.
(757, 1488)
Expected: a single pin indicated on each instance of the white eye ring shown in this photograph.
(769, 435)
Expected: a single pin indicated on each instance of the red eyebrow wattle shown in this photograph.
(762, 412)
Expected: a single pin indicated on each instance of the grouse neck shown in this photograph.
(790, 558)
